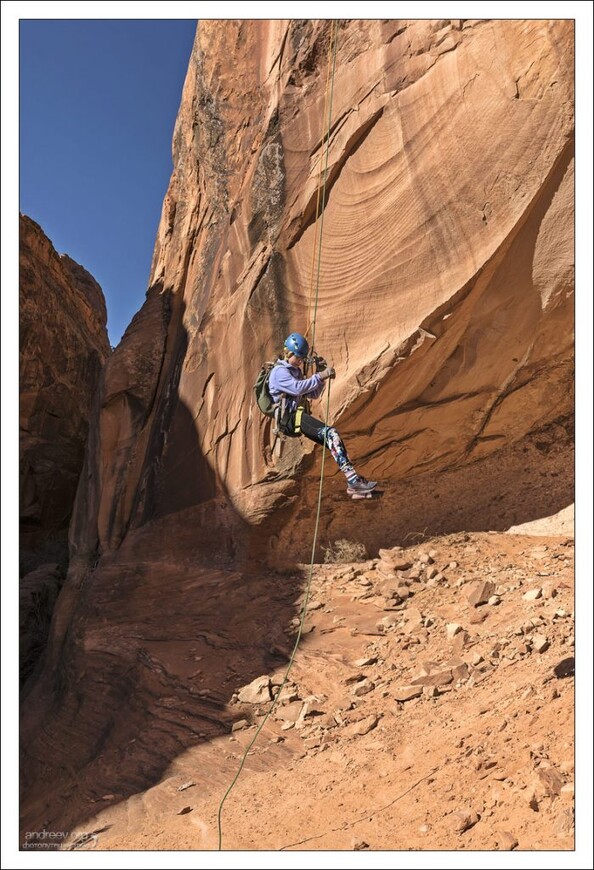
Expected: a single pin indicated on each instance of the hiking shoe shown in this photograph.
(361, 485)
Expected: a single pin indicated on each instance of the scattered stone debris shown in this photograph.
(415, 646)
(477, 616)
(480, 592)
(532, 594)
(463, 820)
(360, 845)
(407, 693)
(355, 677)
(540, 643)
(363, 688)
(361, 727)
(365, 662)
(551, 780)
(256, 692)
(506, 841)
(432, 674)
(452, 629)
(388, 622)
(564, 824)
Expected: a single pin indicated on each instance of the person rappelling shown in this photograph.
(289, 392)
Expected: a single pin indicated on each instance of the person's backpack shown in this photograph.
(263, 398)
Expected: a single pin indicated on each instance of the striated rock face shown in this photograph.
(446, 275)
(63, 345)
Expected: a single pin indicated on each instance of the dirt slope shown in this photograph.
(480, 756)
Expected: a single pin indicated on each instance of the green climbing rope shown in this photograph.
(333, 44)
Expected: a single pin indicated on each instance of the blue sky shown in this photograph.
(98, 102)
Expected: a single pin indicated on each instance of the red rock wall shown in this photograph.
(446, 277)
(63, 345)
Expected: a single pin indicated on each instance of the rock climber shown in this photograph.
(289, 386)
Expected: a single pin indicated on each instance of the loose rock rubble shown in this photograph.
(443, 632)
(419, 713)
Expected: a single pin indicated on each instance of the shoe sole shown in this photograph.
(373, 493)
(361, 492)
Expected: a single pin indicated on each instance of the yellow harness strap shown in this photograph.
(298, 416)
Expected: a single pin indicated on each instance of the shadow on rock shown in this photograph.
(153, 630)
(565, 668)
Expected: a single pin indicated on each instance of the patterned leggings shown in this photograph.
(316, 431)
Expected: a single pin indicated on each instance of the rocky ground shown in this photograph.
(430, 707)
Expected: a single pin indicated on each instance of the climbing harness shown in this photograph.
(312, 324)
(298, 416)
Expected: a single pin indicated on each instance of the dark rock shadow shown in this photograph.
(154, 629)
(565, 668)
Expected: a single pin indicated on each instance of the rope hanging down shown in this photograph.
(329, 80)
(332, 49)
(325, 139)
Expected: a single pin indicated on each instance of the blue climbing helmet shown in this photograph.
(297, 344)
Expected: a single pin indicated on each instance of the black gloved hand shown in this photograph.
(320, 363)
(327, 373)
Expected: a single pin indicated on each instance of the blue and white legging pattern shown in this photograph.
(335, 445)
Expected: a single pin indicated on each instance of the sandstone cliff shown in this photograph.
(445, 303)
(63, 345)
(445, 290)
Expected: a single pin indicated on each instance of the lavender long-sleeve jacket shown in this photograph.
(290, 380)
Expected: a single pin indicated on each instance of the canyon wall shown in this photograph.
(445, 283)
(63, 345)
